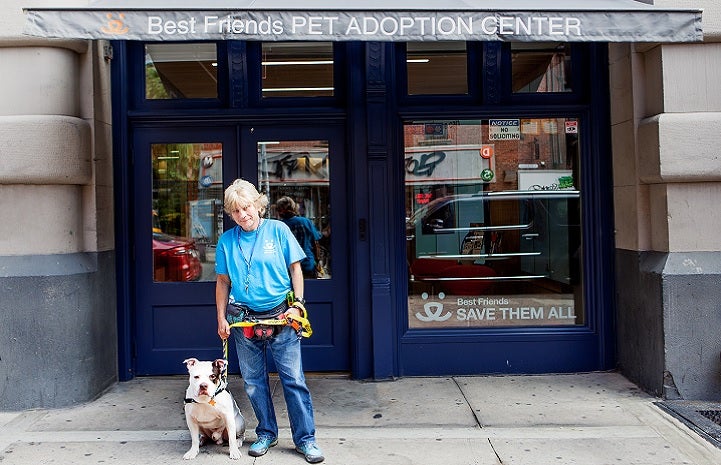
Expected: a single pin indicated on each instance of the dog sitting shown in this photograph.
(210, 410)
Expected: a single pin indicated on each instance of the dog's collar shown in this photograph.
(222, 387)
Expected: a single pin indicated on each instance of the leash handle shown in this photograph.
(224, 374)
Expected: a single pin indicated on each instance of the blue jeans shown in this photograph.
(285, 350)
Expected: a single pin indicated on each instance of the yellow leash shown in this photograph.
(302, 323)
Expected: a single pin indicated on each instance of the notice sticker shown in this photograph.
(504, 129)
(571, 127)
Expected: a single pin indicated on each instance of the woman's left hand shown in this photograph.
(291, 311)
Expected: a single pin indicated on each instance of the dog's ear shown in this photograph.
(220, 364)
(190, 362)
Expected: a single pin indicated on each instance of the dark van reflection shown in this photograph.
(465, 244)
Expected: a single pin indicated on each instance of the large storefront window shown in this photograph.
(297, 173)
(187, 210)
(493, 223)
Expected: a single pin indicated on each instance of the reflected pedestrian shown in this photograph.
(304, 230)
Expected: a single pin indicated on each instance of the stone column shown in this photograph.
(666, 112)
(58, 338)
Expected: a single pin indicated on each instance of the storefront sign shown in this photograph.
(491, 311)
(626, 21)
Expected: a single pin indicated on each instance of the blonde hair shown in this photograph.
(242, 194)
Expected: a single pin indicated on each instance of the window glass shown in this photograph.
(296, 177)
(493, 229)
(541, 67)
(437, 68)
(187, 210)
(181, 71)
(297, 69)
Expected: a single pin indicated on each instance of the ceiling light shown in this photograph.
(284, 63)
(297, 89)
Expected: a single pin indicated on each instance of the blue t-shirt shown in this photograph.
(257, 263)
(305, 231)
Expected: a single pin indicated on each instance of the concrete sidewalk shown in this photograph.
(585, 419)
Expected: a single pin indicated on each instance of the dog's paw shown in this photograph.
(234, 453)
(191, 454)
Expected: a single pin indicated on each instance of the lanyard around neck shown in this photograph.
(249, 259)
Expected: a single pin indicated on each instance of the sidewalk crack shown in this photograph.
(498, 457)
(468, 403)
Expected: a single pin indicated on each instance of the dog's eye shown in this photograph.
(196, 377)
(213, 377)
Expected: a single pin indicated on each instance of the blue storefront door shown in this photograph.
(179, 176)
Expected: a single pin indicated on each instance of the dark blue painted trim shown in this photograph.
(492, 84)
(603, 240)
(123, 224)
(458, 357)
(359, 250)
(379, 96)
(238, 73)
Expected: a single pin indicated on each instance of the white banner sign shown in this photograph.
(636, 25)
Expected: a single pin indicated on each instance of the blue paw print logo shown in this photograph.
(433, 310)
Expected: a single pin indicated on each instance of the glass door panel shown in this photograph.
(493, 227)
(296, 177)
(187, 196)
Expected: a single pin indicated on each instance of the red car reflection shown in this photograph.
(175, 258)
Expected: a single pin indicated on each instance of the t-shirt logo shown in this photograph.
(269, 246)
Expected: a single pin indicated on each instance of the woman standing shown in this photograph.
(257, 266)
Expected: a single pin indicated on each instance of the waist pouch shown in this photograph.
(262, 332)
(237, 313)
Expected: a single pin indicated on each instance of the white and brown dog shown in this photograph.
(210, 410)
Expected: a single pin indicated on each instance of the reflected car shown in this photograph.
(175, 259)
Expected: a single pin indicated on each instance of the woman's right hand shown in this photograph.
(223, 329)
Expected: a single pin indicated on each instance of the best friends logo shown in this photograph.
(434, 310)
(115, 26)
